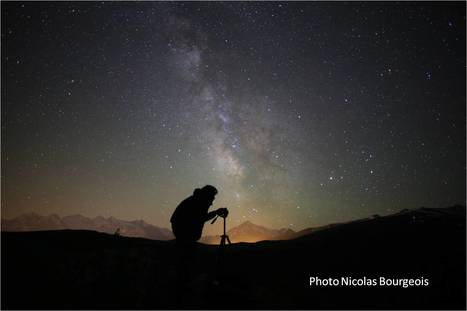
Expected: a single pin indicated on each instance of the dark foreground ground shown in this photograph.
(90, 270)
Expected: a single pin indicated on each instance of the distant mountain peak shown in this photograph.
(30, 214)
(75, 216)
(251, 232)
(247, 224)
(136, 228)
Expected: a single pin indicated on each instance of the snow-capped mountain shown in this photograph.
(136, 228)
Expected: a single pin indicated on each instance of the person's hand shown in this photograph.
(222, 212)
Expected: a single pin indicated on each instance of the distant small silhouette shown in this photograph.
(117, 232)
(187, 226)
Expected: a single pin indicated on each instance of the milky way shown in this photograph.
(301, 114)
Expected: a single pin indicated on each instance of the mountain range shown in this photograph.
(245, 232)
(135, 228)
(250, 232)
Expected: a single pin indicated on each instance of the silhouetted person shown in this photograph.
(187, 225)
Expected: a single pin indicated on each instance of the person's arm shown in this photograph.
(223, 212)
(210, 215)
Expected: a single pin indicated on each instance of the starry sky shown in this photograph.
(300, 113)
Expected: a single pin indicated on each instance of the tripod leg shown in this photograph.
(220, 257)
(220, 260)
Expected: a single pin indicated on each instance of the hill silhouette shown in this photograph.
(250, 232)
(76, 269)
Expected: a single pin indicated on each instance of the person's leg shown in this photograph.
(184, 264)
(181, 257)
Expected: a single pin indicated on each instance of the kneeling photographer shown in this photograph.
(187, 226)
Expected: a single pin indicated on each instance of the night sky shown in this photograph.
(301, 114)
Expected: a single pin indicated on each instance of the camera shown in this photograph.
(223, 212)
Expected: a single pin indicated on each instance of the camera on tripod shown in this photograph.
(221, 212)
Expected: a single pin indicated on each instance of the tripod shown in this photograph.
(220, 255)
(224, 238)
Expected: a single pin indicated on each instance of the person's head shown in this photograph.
(207, 193)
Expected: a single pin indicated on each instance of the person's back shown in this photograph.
(188, 219)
